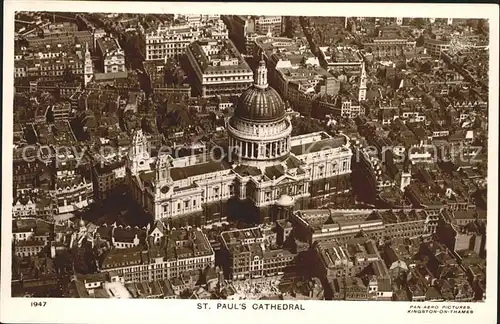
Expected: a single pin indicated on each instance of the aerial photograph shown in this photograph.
(240, 157)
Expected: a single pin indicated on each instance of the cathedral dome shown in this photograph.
(260, 102)
(259, 132)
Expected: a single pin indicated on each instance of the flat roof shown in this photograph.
(313, 147)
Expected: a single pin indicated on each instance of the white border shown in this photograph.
(14, 310)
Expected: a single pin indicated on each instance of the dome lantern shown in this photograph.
(261, 80)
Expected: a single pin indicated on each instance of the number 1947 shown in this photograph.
(38, 304)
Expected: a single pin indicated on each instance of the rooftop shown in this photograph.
(236, 236)
(342, 55)
(397, 216)
(334, 220)
(280, 44)
(304, 73)
(215, 56)
(317, 146)
(108, 44)
(197, 169)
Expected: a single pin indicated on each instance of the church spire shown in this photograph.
(362, 84)
(88, 66)
(269, 33)
(261, 79)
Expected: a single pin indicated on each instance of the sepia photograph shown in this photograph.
(250, 162)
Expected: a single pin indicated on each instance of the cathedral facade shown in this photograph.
(263, 171)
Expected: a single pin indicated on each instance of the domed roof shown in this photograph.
(260, 102)
(285, 201)
(260, 105)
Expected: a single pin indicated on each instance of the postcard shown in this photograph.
(249, 162)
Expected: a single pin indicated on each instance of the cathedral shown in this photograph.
(262, 175)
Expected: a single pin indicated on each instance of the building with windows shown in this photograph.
(340, 225)
(349, 288)
(268, 24)
(343, 225)
(106, 177)
(436, 46)
(294, 71)
(391, 41)
(24, 173)
(30, 236)
(63, 33)
(216, 29)
(243, 29)
(239, 29)
(99, 285)
(169, 41)
(24, 206)
(57, 88)
(345, 260)
(284, 53)
(249, 253)
(112, 56)
(337, 106)
(196, 20)
(164, 254)
(71, 191)
(28, 248)
(61, 110)
(405, 224)
(341, 59)
(50, 65)
(20, 69)
(219, 68)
